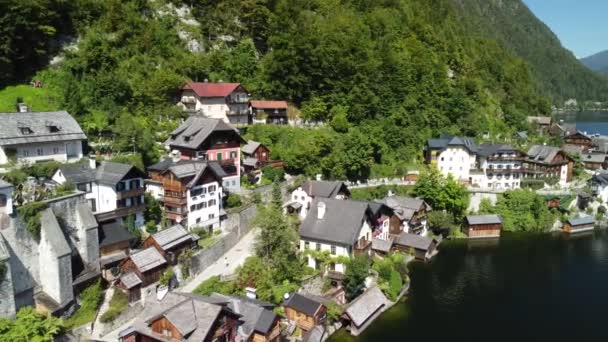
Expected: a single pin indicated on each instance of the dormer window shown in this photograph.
(26, 130)
(53, 128)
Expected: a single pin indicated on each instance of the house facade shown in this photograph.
(225, 101)
(301, 198)
(452, 155)
(40, 136)
(192, 191)
(482, 226)
(548, 162)
(306, 313)
(200, 138)
(255, 156)
(411, 214)
(171, 242)
(114, 191)
(501, 167)
(271, 112)
(342, 228)
(580, 139)
(580, 224)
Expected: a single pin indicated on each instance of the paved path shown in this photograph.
(234, 257)
(98, 326)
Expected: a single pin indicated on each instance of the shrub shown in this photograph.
(273, 174)
(151, 227)
(394, 285)
(234, 200)
(165, 279)
(118, 303)
(333, 312)
(30, 213)
(90, 299)
(215, 284)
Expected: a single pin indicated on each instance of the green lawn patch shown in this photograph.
(38, 99)
(90, 299)
(208, 241)
(118, 303)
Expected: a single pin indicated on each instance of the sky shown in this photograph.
(581, 25)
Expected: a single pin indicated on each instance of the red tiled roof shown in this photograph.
(206, 89)
(269, 104)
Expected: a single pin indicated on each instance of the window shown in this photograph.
(134, 184)
(196, 192)
(92, 204)
(211, 216)
(26, 130)
(442, 158)
(86, 187)
(318, 246)
(218, 156)
(198, 220)
(333, 250)
(120, 186)
(232, 154)
(39, 151)
(295, 198)
(211, 203)
(55, 150)
(306, 244)
(211, 188)
(26, 153)
(192, 207)
(3, 200)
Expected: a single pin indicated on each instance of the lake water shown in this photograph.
(522, 288)
(590, 122)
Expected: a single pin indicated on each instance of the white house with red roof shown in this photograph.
(268, 111)
(226, 101)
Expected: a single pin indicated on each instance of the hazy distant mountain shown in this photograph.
(559, 72)
(597, 62)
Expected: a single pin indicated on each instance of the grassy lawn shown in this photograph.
(379, 192)
(118, 304)
(91, 298)
(208, 241)
(38, 99)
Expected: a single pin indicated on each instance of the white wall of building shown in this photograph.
(31, 153)
(8, 194)
(456, 161)
(205, 212)
(490, 179)
(300, 196)
(563, 175)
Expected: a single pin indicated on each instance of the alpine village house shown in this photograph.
(225, 101)
(205, 139)
(40, 136)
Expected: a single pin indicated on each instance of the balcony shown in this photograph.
(188, 99)
(362, 247)
(175, 200)
(120, 212)
(505, 158)
(130, 193)
(240, 99)
(237, 112)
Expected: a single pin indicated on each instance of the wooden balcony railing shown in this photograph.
(175, 200)
(130, 193)
(119, 212)
(362, 247)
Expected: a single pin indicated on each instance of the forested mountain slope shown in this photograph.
(597, 62)
(560, 74)
(386, 74)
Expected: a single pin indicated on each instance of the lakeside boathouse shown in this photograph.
(482, 226)
(580, 224)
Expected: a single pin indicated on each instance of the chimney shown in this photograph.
(250, 292)
(321, 208)
(319, 177)
(92, 163)
(176, 156)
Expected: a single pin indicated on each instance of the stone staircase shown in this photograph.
(98, 325)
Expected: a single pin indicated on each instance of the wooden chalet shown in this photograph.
(548, 162)
(580, 139)
(274, 112)
(114, 244)
(482, 226)
(580, 224)
(147, 264)
(305, 312)
(594, 161)
(423, 247)
(363, 310)
(256, 156)
(172, 241)
(183, 317)
(541, 123)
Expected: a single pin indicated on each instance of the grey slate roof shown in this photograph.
(265, 321)
(250, 161)
(487, 149)
(446, 140)
(381, 245)
(341, 223)
(195, 130)
(53, 233)
(413, 240)
(113, 233)
(85, 216)
(130, 280)
(593, 158)
(572, 149)
(173, 236)
(543, 154)
(188, 168)
(483, 219)
(38, 122)
(600, 178)
(579, 221)
(366, 305)
(250, 147)
(522, 135)
(108, 173)
(324, 189)
(147, 259)
(302, 304)
(405, 207)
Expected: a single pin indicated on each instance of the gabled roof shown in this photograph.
(147, 259)
(340, 224)
(413, 240)
(108, 173)
(302, 304)
(130, 280)
(44, 127)
(405, 207)
(366, 305)
(323, 189)
(268, 104)
(579, 221)
(250, 147)
(593, 158)
(112, 233)
(188, 168)
(579, 134)
(543, 154)
(173, 236)
(381, 245)
(446, 140)
(488, 149)
(196, 129)
(208, 89)
(484, 219)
